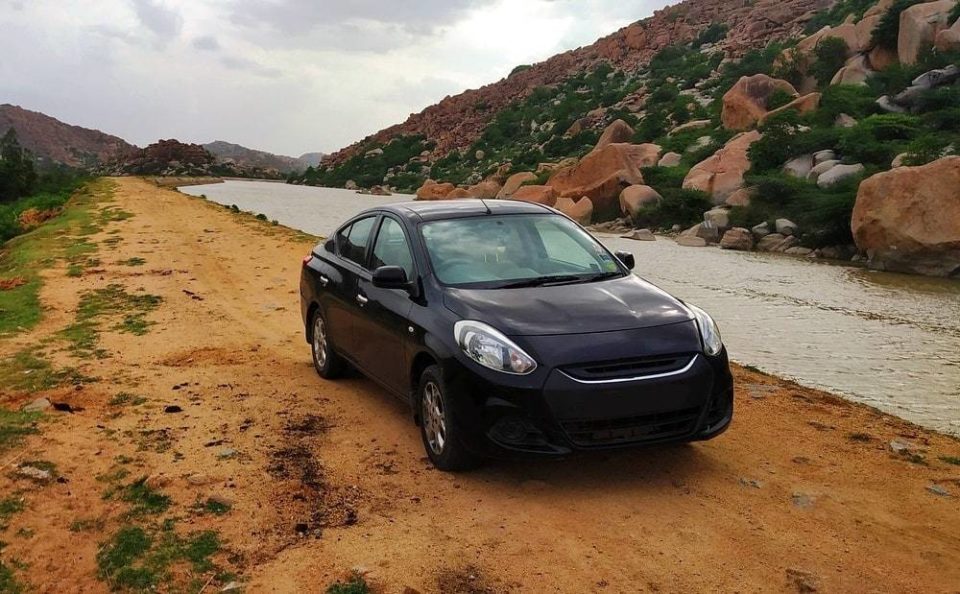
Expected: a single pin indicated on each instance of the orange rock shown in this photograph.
(458, 193)
(580, 211)
(855, 72)
(804, 104)
(618, 131)
(881, 58)
(746, 101)
(635, 197)
(739, 198)
(908, 219)
(919, 25)
(539, 194)
(646, 154)
(601, 175)
(485, 189)
(721, 174)
(948, 40)
(864, 30)
(431, 190)
(514, 182)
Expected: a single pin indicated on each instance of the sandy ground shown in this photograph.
(803, 493)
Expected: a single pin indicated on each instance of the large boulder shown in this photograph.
(821, 168)
(746, 101)
(618, 131)
(539, 194)
(670, 159)
(431, 190)
(646, 154)
(855, 72)
(919, 26)
(600, 176)
(838, 173)
(908, 219)
(485, 189)
(721, 174)
(805, 104)
(580, 211)
(458, 193)
(948, 40)
(691, 125)
(514, 182)
(737, 238)
(799, 166)
(635, 197)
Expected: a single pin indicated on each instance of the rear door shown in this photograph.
(352, 246)
(382, 326)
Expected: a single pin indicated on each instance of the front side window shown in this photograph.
(515, 250)
(352, 241)
(391, 248)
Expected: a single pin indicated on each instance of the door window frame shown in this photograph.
(406, 238)
(368, 248)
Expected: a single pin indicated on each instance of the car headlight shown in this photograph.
(490, 348)
(709, 333)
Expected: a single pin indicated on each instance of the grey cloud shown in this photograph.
(164, 22)
(299, 17)
(245, 65)
(207, 43)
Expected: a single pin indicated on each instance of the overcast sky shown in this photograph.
(287, 76)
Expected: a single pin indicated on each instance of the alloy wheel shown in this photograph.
(434, 421)
(319, 342)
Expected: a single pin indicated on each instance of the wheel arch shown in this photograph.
(421, 361)
(311, 309)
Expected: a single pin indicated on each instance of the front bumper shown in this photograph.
(564, 414)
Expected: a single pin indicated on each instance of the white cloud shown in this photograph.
(288, 76)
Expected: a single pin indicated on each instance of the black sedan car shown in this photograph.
(511, 331)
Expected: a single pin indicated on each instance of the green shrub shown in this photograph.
(712, 34)
(879, 138)
(837, 13)
(856, 101)
(955, 13)
(831, 54)
(678, 207)
(519, 69)
(662, 178)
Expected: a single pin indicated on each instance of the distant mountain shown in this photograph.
(312, 159)
(52, 140)
(174, 158)
(228, 152)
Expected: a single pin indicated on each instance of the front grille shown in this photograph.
(652, 427)
(627, 368)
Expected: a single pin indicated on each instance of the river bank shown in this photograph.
(178, 353)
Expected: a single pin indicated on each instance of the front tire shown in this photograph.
(440, 436)
(326, 361)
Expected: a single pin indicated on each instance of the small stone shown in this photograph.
(751, 483)
(227, 453)
(761, 230)
(172, 408)
(821, 156)
(802, 500)
(222, 499)
(35, 474)
(939, 491)
(38, 405)
(786, 227)
(232, 587)
(157, 481)
(903, 447)
(803, 581)
(199, 479)
(641, 235)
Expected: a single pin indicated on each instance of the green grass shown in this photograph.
(28, 254)
(143, 499)
(132, 262)
(86, 525)
(355, 585)
(955, 460)
(211, 506)
(27, 371)
(8, 507)
(8, 582)
(142, 559)
(861, 437)
(14, 426)
(84, 334)
(125, 398)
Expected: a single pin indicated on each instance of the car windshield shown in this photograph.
(515, 251)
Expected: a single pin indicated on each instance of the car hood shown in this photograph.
(605, 306)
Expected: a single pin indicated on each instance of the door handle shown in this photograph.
(324, 280)
(362, 299)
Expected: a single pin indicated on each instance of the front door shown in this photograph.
(383, 324)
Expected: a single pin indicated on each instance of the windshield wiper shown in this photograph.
(540, 281)
(604, 276)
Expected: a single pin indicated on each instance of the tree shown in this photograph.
(17, 175)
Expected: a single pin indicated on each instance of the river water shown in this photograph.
(888, 340)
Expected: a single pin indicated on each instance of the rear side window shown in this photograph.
(391, 248)
(352, 241)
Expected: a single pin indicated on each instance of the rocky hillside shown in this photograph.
(180, 159)
(53, 141)
(761, 148)
(227, 152)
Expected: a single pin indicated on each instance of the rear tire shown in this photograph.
(326, 361)
(440, 436)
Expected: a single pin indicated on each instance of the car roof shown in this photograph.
(432, 210)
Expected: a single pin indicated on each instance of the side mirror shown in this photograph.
(330, 245)
(390, 277)
(627, 259)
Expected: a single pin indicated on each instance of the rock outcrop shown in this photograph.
(431, 190)
(580, 211)
(722, 173)
(636, 197)
(745, 103)
(539, 194)
(919, 26)
(908, 219)
(601, 175)
(514, 182)
(617, 132)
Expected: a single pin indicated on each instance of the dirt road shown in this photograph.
(209, 392)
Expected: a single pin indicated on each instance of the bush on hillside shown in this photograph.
(712, 34)
(678, 207)
(856, 101)
(831, 55)
(663, 178)
(784, 138)
(18, 177)
(879, 138)
(837, 13)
